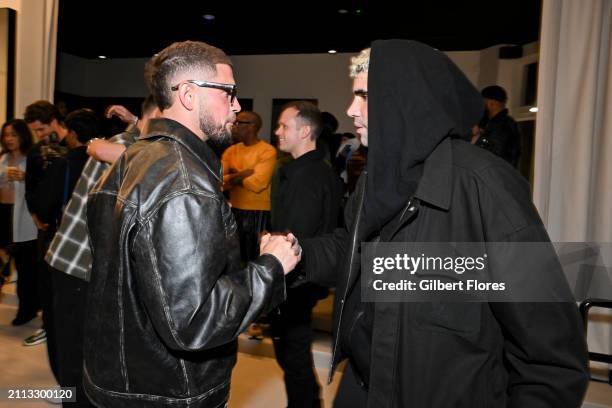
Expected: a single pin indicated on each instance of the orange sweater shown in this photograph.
(254, 193)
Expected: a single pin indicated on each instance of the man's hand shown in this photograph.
(282, 248)
(295, 245)
(122, 113)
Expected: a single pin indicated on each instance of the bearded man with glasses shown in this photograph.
(167, 295)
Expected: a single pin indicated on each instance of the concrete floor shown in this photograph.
(256, 380)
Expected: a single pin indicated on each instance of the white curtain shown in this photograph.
(49, 49)
(35, 53)
(573, 147)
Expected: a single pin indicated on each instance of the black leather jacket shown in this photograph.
(167, 298)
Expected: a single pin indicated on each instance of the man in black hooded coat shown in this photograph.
(423, 183)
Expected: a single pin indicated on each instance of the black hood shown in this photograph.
(417, 97)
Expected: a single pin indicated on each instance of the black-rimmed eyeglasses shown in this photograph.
(230, 89)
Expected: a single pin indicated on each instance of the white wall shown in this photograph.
(489, 66)
(296, 76)
(510, 76)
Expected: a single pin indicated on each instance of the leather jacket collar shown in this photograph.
(164, 127)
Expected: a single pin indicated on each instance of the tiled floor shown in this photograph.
(256, 381)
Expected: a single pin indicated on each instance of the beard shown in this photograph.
(217, 133)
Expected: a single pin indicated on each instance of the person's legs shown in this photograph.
(46, 299)
(259, 221)
(292, 338)
(250, 224)
(24, 254)
(241, 223)
(69, 312)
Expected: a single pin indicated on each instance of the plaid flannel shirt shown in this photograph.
(69, 251)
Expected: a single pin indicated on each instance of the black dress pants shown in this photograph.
(24, 254)
(291, 331)
(69, 305)
(45, 293)
(250, 224)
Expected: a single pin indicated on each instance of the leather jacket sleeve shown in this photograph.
(191, 294)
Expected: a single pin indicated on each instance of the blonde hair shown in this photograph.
(360, 63)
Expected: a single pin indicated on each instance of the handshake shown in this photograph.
(285, 248)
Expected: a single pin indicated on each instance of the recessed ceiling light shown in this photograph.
(332, 51)
(533, 109)
(208, 17)
(102, 56)
(358, 11)
(343, 11)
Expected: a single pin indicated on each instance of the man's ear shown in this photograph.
(305, 131)
(186, 96)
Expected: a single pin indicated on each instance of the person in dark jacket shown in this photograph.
(44, 120)
(56, 187)
(305, 201)
(499, 133)
(424, 183)
(167, 297)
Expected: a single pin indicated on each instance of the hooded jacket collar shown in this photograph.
(435, 186)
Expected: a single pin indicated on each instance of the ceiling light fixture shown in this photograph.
(533, 109)
(102, 56)
(208, 17)
(343, 11)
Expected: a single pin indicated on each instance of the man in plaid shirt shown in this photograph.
(69, 251)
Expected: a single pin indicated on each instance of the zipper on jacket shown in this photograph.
(353, 245)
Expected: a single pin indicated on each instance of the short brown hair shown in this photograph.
(308, 114)
(42, 111)
(175, 59)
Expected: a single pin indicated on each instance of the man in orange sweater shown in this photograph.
(247, 171)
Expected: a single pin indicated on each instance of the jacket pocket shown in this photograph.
(357, 342)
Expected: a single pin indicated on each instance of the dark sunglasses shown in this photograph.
(230, 89)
